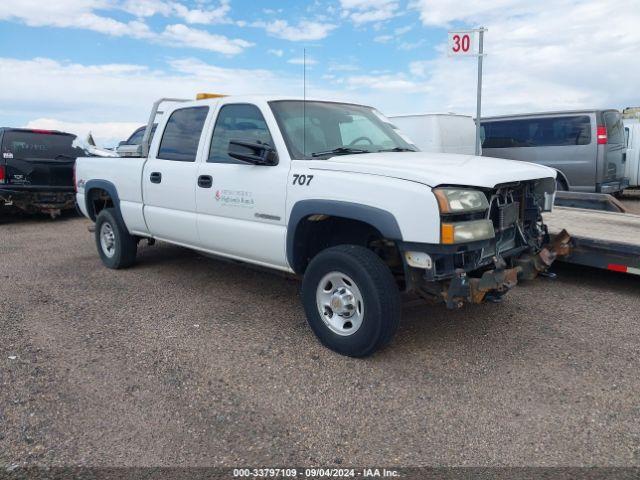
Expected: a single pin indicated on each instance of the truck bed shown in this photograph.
(608, 240)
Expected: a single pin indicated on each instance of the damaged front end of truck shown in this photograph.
(490, 240)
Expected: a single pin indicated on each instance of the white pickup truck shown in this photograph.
(330, 192)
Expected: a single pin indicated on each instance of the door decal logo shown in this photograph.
(235, 198)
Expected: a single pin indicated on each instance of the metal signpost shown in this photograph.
(469, 43)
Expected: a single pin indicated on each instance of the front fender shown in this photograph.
(380, 219)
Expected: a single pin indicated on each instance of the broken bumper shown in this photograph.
(493, 284)
(487, 279)
(31, 201)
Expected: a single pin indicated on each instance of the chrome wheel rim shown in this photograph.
(340, 303)
(107, 240)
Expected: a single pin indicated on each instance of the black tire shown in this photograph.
(380, 298)
(561, 185)
(124, 244)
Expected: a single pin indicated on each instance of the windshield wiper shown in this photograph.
(397, 149)
(340, 151)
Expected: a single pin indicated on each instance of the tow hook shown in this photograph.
(491, 286)
(533, 265)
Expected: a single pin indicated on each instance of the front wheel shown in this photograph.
(116, 246)
(351, 300)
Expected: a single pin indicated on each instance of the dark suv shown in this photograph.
(36, 170)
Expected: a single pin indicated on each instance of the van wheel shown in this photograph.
(351, 300)
(116, 246)
(561, 185)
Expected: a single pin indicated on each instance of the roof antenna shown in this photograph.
(304, 103)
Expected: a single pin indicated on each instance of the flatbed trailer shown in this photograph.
(600, 239)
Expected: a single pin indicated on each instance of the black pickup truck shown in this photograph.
(36, 170)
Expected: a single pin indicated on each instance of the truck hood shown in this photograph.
(435, 169)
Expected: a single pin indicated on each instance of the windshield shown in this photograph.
(324, 129)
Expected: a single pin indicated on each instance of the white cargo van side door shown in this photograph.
(241, 207)
(170, 175)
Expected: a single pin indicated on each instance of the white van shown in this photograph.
(632, 137)
(439, 132)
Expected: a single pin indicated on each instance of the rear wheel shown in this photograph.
(116, 246)
(351, 300)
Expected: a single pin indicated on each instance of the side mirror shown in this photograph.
(256, 153)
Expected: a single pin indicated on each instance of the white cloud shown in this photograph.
(110, 99)
(419, 68)
(542, 55)
(301, 61)
(383, 38)
(167, 8)
(304, 31)
(179, 35)
(276, 52)
(70, 14)
(205, 16)
(348, 66)
(412, 45)
(402, 30)
(107, 133)
(384, 82)
(81, 14)
(147, 8)
(365, 11)
(444, 12)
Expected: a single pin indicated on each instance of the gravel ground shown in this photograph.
(184, 360)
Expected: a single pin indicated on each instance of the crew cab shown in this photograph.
(329, 192)
(36, 170)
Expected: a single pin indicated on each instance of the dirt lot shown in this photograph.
(183, 360)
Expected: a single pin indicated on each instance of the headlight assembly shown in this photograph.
(466, 232)
(455, 200)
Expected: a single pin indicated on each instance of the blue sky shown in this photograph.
(97, 65)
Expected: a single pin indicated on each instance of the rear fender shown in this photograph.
(108, 187)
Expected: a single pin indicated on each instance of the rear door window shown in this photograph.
(181, 135)
(615, 127)
(39, 146)
(538, 132)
